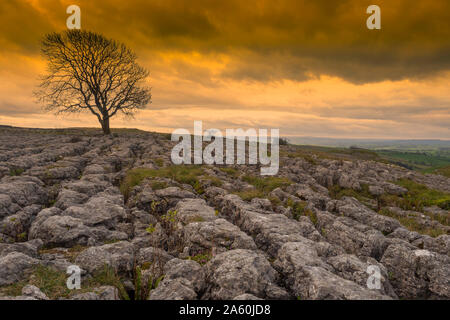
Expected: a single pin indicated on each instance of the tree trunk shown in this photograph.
(105, 125)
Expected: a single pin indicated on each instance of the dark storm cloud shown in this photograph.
(265, 40)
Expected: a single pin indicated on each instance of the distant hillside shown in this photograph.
(397, 144)
(427, 156)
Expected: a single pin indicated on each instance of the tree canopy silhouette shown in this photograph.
(87, 71)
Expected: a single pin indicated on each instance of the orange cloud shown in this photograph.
(306, 67)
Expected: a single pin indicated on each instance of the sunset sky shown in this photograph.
(309, 68)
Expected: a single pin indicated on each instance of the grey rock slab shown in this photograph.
(194, 210)
(29, 248)
(68, 198)
(13, 267)
(240, 271)
(120, 256)
(175, 289)
(34, 292)
(187, 269)
(417, 273)
(219, 235)
(352, 268)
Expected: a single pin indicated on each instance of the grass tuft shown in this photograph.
(263, 186)
(108, 277)
(50, 281)
(16, 172)
(420, 196)
(230, 171)
(445, 171)
(299, 209)
(250, 194)
(412, 224)
(201, 258)
(185, 174)
(266, 184)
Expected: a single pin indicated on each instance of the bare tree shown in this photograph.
(87, 71)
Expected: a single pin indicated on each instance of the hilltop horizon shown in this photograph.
(293, 139)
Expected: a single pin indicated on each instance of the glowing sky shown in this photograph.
(307, 67)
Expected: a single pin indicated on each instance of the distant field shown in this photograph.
(426, 156)
(427, 161)
(430, 159)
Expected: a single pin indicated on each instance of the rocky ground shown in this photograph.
(141, 228)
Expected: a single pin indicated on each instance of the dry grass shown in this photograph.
(411, 223)
(185, 174)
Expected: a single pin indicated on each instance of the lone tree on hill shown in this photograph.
(87, 71)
